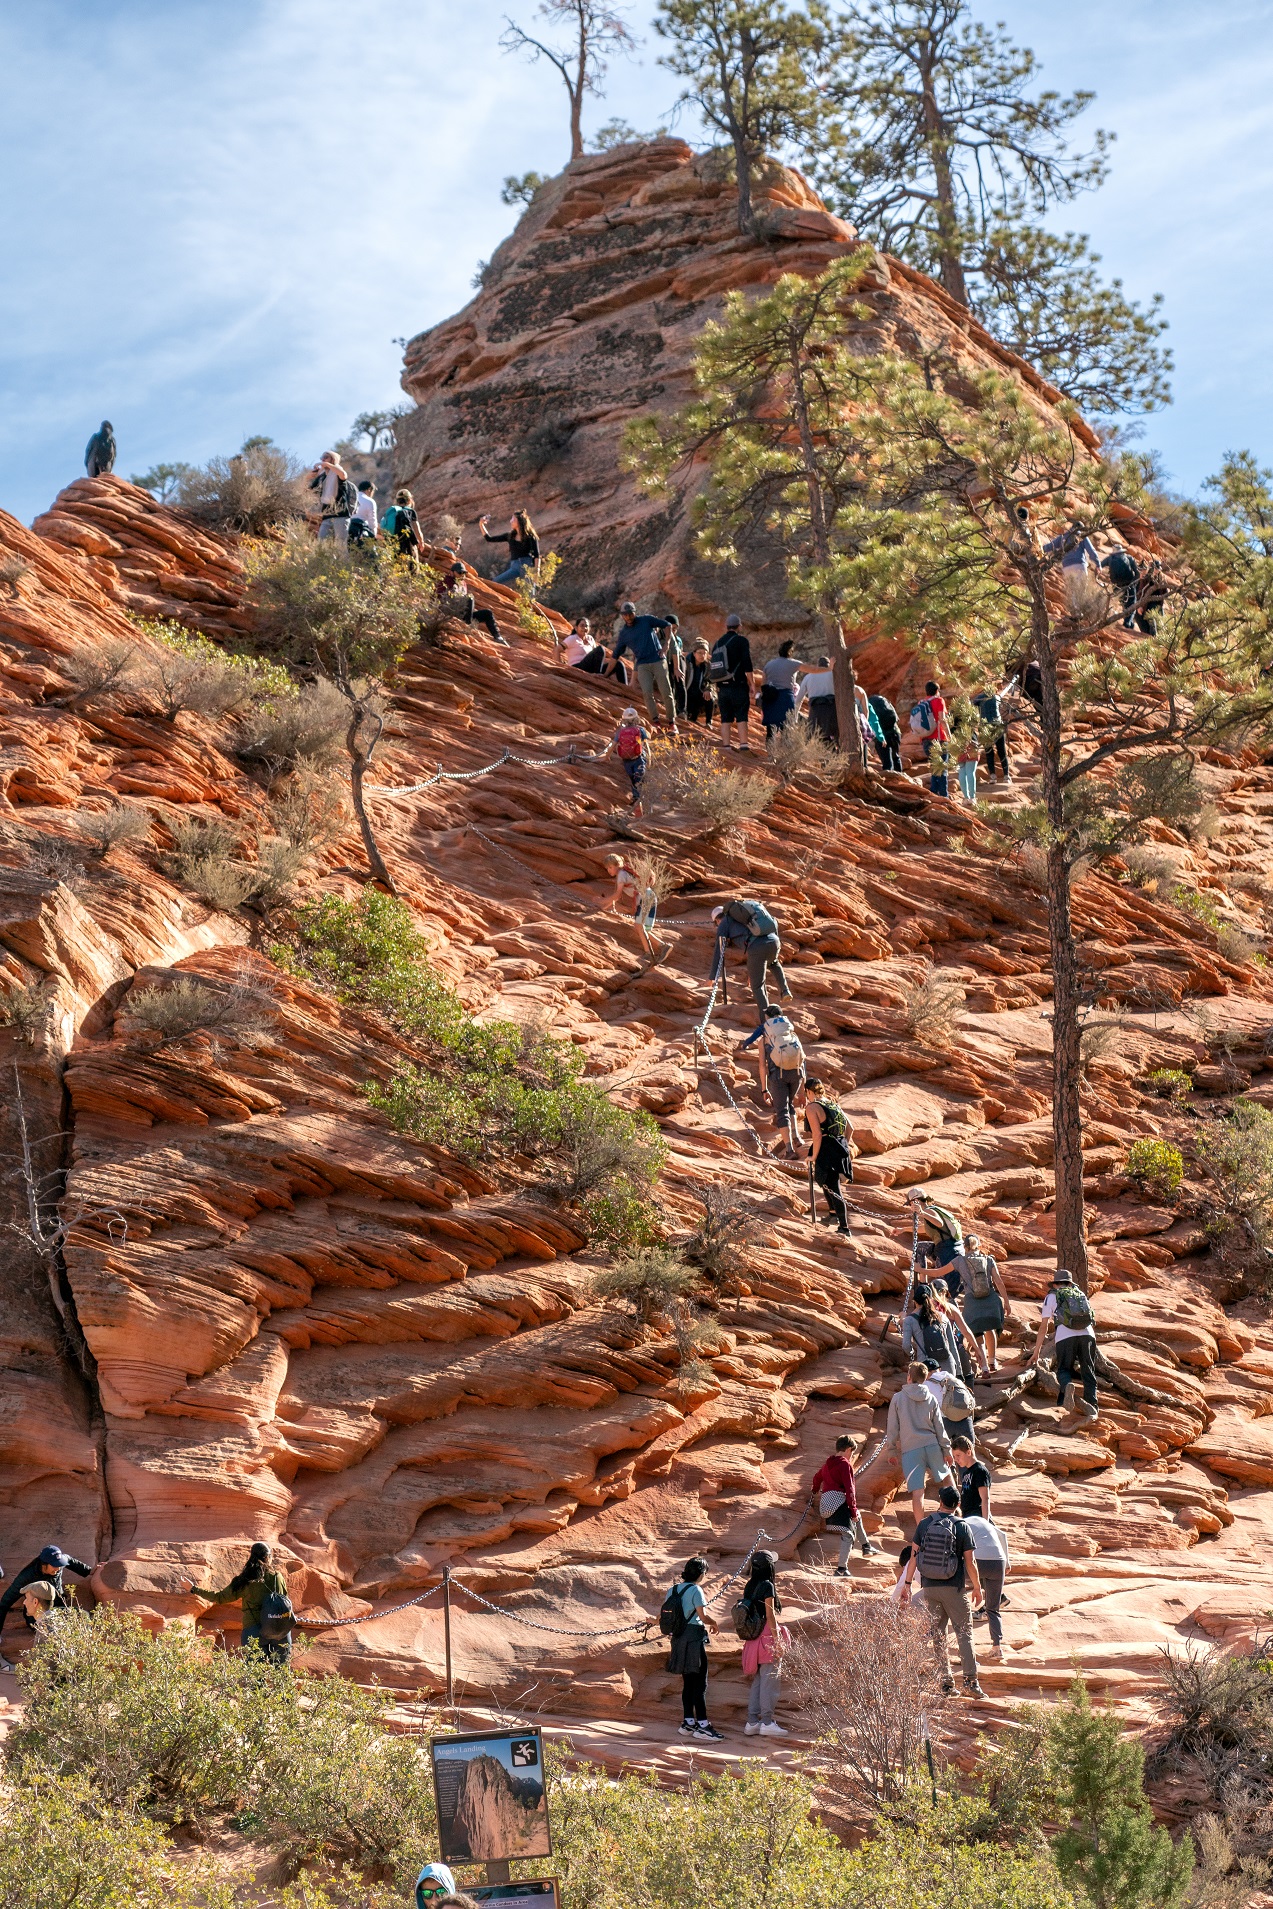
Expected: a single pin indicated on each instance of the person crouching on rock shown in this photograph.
(46, 1569)
(629, 744)
(256, 1583)
(689, 1650)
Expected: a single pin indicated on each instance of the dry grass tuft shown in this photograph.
(715, 794)
(117, 827)
(931, 1010)
(236, 1009)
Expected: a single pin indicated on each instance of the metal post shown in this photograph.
(932, 1774)
(446, 1626)
(498, 1872)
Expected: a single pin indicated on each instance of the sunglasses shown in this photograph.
(430, 1889)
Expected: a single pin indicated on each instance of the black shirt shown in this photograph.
(30, 1573)
(971, 1480)
(736, 651)
(963, 1543)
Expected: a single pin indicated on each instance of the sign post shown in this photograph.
(492, 1800)
(446, 1626)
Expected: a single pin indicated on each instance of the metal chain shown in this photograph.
(559, 1630)
(339, 1623)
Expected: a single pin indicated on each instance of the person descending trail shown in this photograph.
(764, 1642)
(916, 1436)
(643, 637)
(945, 1557)
(401, 524)
(684, 1619)
(780, 1064)
(267, 1610)
(522, 541)
(836, 1486)
(1068, 1309)
(48, 1568)
(637, 899)
(986, 1306)
(750, 924)
(629, 743)
(1124, 573)
(730, 672)
(827, 1127)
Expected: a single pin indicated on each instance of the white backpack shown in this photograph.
(785, 1051)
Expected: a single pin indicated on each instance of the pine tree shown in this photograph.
(1110, 1847)
(596, 31)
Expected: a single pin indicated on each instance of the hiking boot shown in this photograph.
(751, 1729)
(1089, 1411)
(846, 1230)
(710, 1730)
(773, 1730)
(995, 1654)
(972, 1688)
(842, 1571)
(947, 1686)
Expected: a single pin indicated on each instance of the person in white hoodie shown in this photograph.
(990, 1548)
(917, 1436)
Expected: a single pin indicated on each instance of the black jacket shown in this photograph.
(520, 549)
(29, 1574)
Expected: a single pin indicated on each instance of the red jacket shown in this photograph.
(837, 1475)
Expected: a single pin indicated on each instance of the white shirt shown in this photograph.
(366, 509)
(577, 647)
(819, 682)
(989, 1546)
(1064, 1332)
(331, 479)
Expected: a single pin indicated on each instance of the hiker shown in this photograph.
(458, 600)
(99, 453)
(941, 1237)
(48, 1568)
(634, 898)
(889, 746)
(1032, 684)
(945, 1558)
(972, 1478)
(751, 923)
(1151, 596)
(699, 701)
(778, 682)
(816, 690)
(257, 1584)
(688, 1656)
(870, 735)
(780, 1065)
(403, 526)
(914, 1597)
(928, 720)
(676, 662)
(640, 636)
(730, 673)
(433, 1885)
(523, 545)
(916, 1435)
(967, 756)
(1068, 1309)
(954, 1401)
(994, 735)
(763, 1653)
(990, 1549)
(1123, 572)
(837, 1501)
(363, 525)
(629, 744)
(940, 1329)
(827, 1126)
(581, 648)
(336, 495)
(1075, 549)
(986, 1306)
(39, 1606)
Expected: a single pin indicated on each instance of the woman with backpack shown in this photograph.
(629, 743)
(828, 1129)
(780, 1062)
(940, 1329)
(267, 1610)
(684, 1619)
(401, 525)
(764, 1641)
(522, 541)
(986, 1306)
(1068, 1309)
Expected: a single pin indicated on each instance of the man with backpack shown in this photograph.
(780, 1063)
(916, 1436)
(836, 1487)
(827, 1126)
(750, 924)
(929, 721)
(1124, 573)
(889, 747)
(994, 735)
(954, 1401)
(1068, 1309)
(337, 499)
(730, 673)
(643, 636)
(944, 1555)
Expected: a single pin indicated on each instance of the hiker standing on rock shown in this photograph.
(780, 1064)
(257, 1585)
(765, 1641)
(401, 524)
(522, 541)
(364, 525)
(99, 453)
(990, 1548)
(817, 691)
(972, 1478)
(730, 673)
(46, 1569)
(336, 499)
(750, 923)
(1068, 1309)
(994, 733)
(917, 1437)
(836, 1486)
(986, 1306)
(929, 721)
(827, 1126)
(699, 702)
(642, 636)
(778, 688)
(684, 1619)
(945, 1557)
(889, 748)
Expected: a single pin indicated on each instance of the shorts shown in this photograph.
(635, 770)
(984, 1315)
(924, 1461)
(733, 702)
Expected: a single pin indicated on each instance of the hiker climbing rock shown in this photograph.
(684, 1619)
(836, 1486)
(48, 1568)
(936, 1330)
(1123, 572)
(637, 899)
(945, 1559)
(99, 453)
(941, 1237)
(973, 1479)
(954, 1401)
(780, 1063)
(522, 541)
(986, 1306)
(641, 637)
(730, 672)
(827, 1127)
(629, 743)
(1068, 1309)
(750, 924)
(916, 1436)
(268, 1620)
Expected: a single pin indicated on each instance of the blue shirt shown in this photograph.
(639, 637)
(692, 1602)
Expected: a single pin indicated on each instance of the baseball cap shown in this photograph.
(733, 623)
(627, 609)
(51, 1554)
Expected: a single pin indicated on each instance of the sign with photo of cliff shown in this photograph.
(492, 1805)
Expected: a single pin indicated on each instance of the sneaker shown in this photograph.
(688, 1729)
(995, 1653)
(871, 1551)
(947, 1687)
(842, 1571)
(973, 1689)
(709, 1730)
(751, 1729)
(773, 1730)
(846, 1230)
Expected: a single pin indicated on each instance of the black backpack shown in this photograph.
(672, 1618)
(346, 497)
(278, 1619)
(938, 1552)
(719, 668)
(1123, 570)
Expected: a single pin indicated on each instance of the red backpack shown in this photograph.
(629, 743)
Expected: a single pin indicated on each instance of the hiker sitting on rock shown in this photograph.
(1068, 1309)
(750, 924)
(836, 1487)
(581, 649)
(986, 1306)
(262, 1591)
(48, 1568)
(457, 599)
(827, 1126)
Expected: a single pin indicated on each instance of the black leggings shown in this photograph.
(889, 753)
(827, 1169)
(694, 1694)
(999, 747)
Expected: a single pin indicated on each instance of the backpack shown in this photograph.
(958, 1400)
(277, 1618)
(923, 721)
(749, 1618)
(1123, 570)
(629, 744)
(886, 713)
(719, 668)
(785, 1051)
(396, 522)
(346, 497)
(756, 916)
(935, 1542)
(833, 1121)
(946, 1223)
(1072, 1309)
(979, 1281)
(672, 1618)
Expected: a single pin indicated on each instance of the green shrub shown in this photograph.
(650, 1282)
(1156, 1167)
(1195, 904)
(1169, 1083)
(61, 1847)
(188, 671)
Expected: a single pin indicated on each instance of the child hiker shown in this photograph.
(635, 898)
(629, 743)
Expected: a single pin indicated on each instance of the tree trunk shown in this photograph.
(359, 761)
(846, 706)
(1067, 1117)
(936, 132)
(742, 166)
(576, 120)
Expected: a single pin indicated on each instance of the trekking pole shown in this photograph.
(813, 1210)
(446, 1628)
(932, 1773)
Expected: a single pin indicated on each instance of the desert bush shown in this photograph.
(798, 749)
(708, 790)
(651, 871)
(728, 1227)
(649, 1282)
(1100, 1040)
(257, 490)
(1220, 1700)
(931, 1011)
(122, 824)
(275, 866)
(1236, 1157)
(1169, 1083)
(305, 725)
(309, 811)
(61, 1849)
(187, 671)
(1195, 904)
(25, 1010)
(112, 665)
(204, 859)
(54, 859)
(1086, 598)
(1152, 869)
(1204, 825)
(186, 1006)
(866, 1679)
(1156, 1167)
(1234, 945)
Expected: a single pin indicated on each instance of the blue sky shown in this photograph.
(220, 213)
